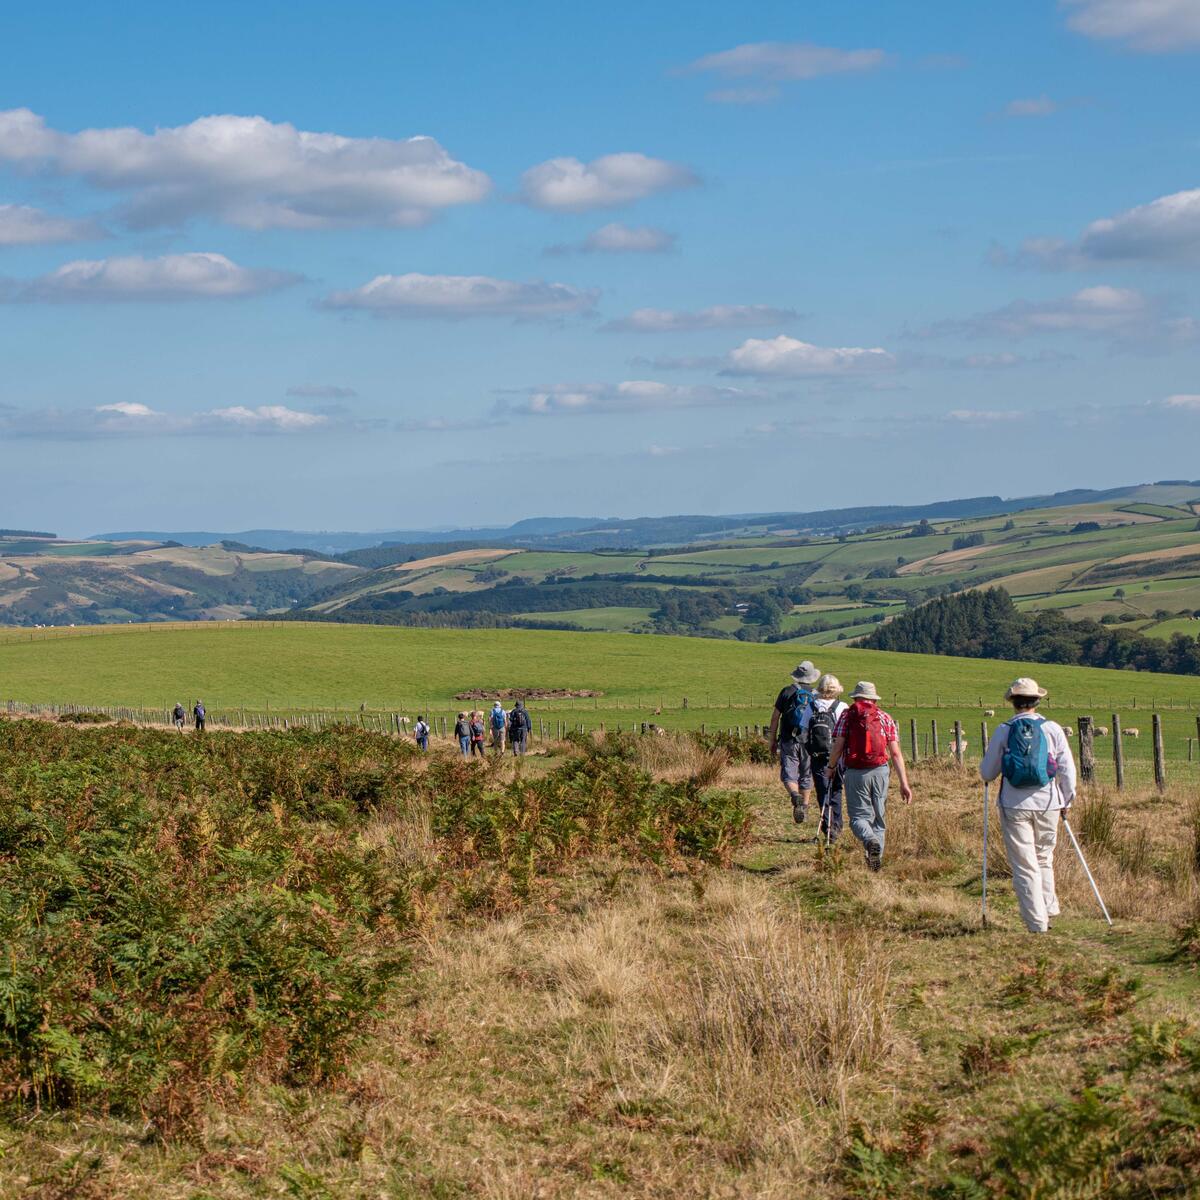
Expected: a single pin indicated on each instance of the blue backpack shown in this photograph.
(499, 720)
(1027, 760)
(789, 723)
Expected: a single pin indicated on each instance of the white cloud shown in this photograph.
(1154, 26)
(171, 277)
(1033, 106)
(21, 225)
(568, 185)
(1120, 314)
(1183, 403)
(1166, 230)
(636, 395)
(719, 316)
(786, 357)
(249, 172)
(745, 95)
(781, 61)
(132, 419)
(616, 238)
(454, 297)
(321, 391)
(984, 416)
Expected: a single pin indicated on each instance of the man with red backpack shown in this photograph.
(786, 736)
(865, 741)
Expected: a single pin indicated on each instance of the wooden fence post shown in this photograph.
(912, 733)
(1087, 756)
(958, 743)
(936, 750)
(1160, 761)
(1118, 751)
(983, 738)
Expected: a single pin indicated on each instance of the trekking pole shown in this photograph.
(983, 909)
(1086, 870)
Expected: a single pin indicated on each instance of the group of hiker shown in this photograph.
(512, 728)
(179, 716)
(846, 753)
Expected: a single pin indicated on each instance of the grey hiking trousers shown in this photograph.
(866, 799)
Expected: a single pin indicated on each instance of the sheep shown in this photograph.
(1101, 731)
(964, 743)
(989, 712)
(1132, 732)
(1068, 731)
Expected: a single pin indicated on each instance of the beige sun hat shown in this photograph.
(864, 689)
(806, 673)
(1025, 687)
(829, 685)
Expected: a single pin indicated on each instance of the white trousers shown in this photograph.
(1029, 839)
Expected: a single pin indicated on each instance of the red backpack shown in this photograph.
(866, 744)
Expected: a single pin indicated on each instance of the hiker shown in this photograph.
(795, 769)
(199, 714)
(477, 734)
(519, 725)
(864, 741)
(462, 731)
(818, 724)
(1033, 760)
(499, 723)
(179, 716)
(421, 733)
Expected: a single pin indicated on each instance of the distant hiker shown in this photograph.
(421, 733)
(199, 714)
(499, 724)
(819, 724)
(795, 769)
(462, 731)
(478, 730)
(519, 726)
(864, 741)
(1033, 757)
(179, 716)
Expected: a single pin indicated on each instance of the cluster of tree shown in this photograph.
(986, 624)
(26, 533)
(965, 541)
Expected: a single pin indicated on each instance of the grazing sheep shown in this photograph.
(1101, 731)
(1068, 731)
(965, 743)
(1131, 732)
(404, 721)
(989, 712)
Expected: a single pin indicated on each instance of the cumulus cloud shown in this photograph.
(1166, 230)
(171, 277)
(635, 395)
(765, 65)
(1119, 314)
(21, 225)
(126, 418)
(786, 357)
(568, 185)
(1153, 26)
(719, 316)
(1183, 403)
(248, 171)
(615, 238)
(1033, 106)
(321, 391)
(454, 297)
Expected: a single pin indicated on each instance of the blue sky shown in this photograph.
(647, 259)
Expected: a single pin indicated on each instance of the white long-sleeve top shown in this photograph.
(1058, 793)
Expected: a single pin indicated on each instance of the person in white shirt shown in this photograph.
(1032, 758)
(817, 727)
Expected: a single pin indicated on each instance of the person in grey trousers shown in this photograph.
(865, 741)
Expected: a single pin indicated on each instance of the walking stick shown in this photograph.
(985, 854)
(1086, 871)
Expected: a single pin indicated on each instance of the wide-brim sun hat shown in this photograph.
(1025, 687)
(864, 689)
(806, 673)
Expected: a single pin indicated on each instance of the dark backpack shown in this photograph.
(866, 743)
(1027, 761)
(818, 739)
(793, 710)
(517, 722)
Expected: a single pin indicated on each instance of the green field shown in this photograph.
(293, 666)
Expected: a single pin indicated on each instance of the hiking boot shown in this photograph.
(874, 856)
(799, 812)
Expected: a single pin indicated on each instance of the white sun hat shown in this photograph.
(1025, 687)
(864, 689)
